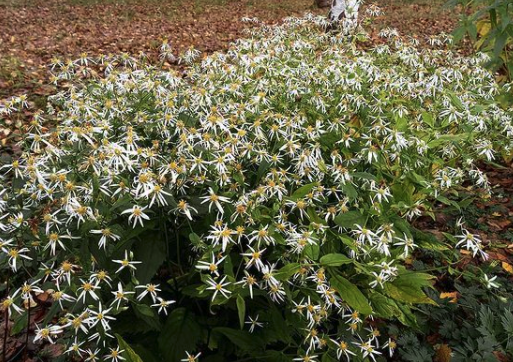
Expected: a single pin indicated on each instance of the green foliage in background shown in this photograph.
(490, 27)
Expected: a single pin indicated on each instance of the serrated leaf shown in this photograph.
(428, 119)
(350, 219)
(382, 306)
(20, 323)
(349, 190)
(279, 326)
(241, 339)
(180, 333)
(446, 138)
(262, 169)
(407, 288)
(195, 239)
(151, 252)
(327, 358)
(228, 266)
(507, 322)
(407, 317)
(302, 191)
(312, 251)
(129, 353)
(145, 313)
(350, 293)
(364, 175)
(287, 271)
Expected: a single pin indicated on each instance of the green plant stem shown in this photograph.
(6, 318)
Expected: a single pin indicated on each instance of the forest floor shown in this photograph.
(32, 32)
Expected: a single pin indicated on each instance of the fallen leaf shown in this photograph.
(452, 295)
(507, 267)
(42, 297)
(443, 353)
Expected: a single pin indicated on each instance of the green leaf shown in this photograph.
(195, 239)
(428, 119)
(322, 166)
(96, 187)
(507, 322)
(418, 179)
(327, 358)
(407, 317)
(364, 175)
(447, 138)
(403, 192)
(145, 313)
(500, 43)
(241, 308)
(407, 288)
(278, 328)
(228, 266)
(180, 333)
(472, 30)
(20, 322)
(54, 309)
(350, 219)
(241, 339)
(401, 123)
(456, 101)
(85, 254)
(350, 293)
(287, 271)
(329, 139)
(151, 251)
(312, 251)
(129, 354)
(129, 237)
(459, 33)
(276, 356)
(145, 352)
(335, 260)
(122, 201)
(349, 190)
(262, 169)
(314, 216)
(303, 191)
(382, 306)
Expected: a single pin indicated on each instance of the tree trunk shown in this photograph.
(344, 13)
(323, 3)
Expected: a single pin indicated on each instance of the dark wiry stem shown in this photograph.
(6, 331)
(6, 319)
(28, 329)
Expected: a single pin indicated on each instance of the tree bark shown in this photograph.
(344, 13)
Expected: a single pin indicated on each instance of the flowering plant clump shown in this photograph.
(258, 207)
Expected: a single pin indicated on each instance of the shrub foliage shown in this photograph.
(489, 27)
(257, 207)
